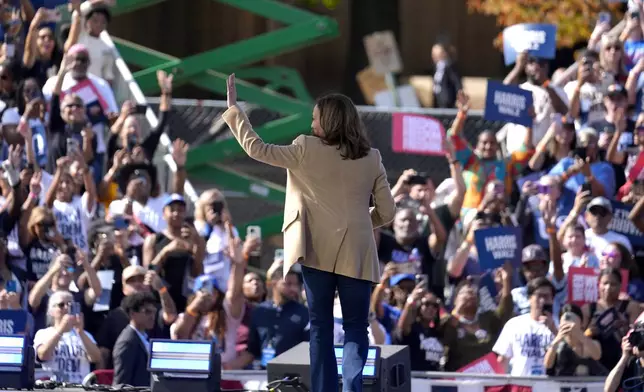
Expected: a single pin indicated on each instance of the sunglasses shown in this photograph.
(612, 254)
(598, 211)
(46, 223)
(534, 265)
(615, 47)
(62, 305)
(82, 60)
(428, 303)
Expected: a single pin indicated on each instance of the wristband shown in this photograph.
(246, 256)
(33, 195)
(461, 115)
(163, 290)
(551, 230)
(192, 312)
(564, 177)
(454, 162)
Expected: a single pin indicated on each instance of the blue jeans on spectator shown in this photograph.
(355, 296)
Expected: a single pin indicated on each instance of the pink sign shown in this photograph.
(583, 284)
(417, 134)
(485, 365)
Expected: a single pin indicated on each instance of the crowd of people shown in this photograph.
(102, 260)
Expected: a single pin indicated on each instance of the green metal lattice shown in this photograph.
(208, 70)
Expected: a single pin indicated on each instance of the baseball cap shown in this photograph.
(600, 201)
(394, 280)
(205, 282)
(533, 252)
(132, 271)
(173, 198)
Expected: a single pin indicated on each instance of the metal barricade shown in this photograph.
(425, 381)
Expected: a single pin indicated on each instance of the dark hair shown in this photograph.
(21, 103)
(340, 120)
(136, 302)
(278, 274)
(99, 10)
(589, 53)
(537, 283)
(611, 271)
(571, 308)
(628, 262)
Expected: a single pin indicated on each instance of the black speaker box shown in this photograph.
(394, 374)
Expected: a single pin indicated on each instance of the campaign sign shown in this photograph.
(621, 224)
(487, 293)
(508, 103)
(637, 171)
(487, 364)
(583, 284)
(417, 134)
(497, 245)
(13, 322)
(539, 40)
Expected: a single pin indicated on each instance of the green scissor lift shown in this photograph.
(209, 70)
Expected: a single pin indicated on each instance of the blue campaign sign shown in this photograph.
(625, 226)
(509, 103)
(538, 39)
(13, 322)
(487, 293)
(497, 245)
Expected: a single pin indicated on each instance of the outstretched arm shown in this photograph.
(287, 157)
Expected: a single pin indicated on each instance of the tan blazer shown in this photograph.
(327, 221)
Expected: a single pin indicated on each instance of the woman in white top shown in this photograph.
(215, 313)
(211, 212)
(65, 349)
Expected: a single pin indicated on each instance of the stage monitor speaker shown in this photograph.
(394, 369)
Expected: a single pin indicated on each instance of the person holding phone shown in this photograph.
(572, 353)
(585, 167)
(333, 241)
(42, 56)
(126, 132)
(211, 214)
(215, 313)
(176, 251)
(65, 349)
(586, 93)
(524, 339)
(419, 328)
(68, 120)
(607, 320)
(73, 212)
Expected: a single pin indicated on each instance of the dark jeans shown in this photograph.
(355, 295)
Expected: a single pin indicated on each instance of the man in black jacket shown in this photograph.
(132, 346)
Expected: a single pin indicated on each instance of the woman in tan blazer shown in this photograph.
(328, 225)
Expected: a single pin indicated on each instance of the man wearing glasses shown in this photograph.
(599, 214)
(132, 346)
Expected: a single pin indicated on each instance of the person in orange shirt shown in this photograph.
(482, 164)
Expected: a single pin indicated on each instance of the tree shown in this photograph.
(575, 19)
